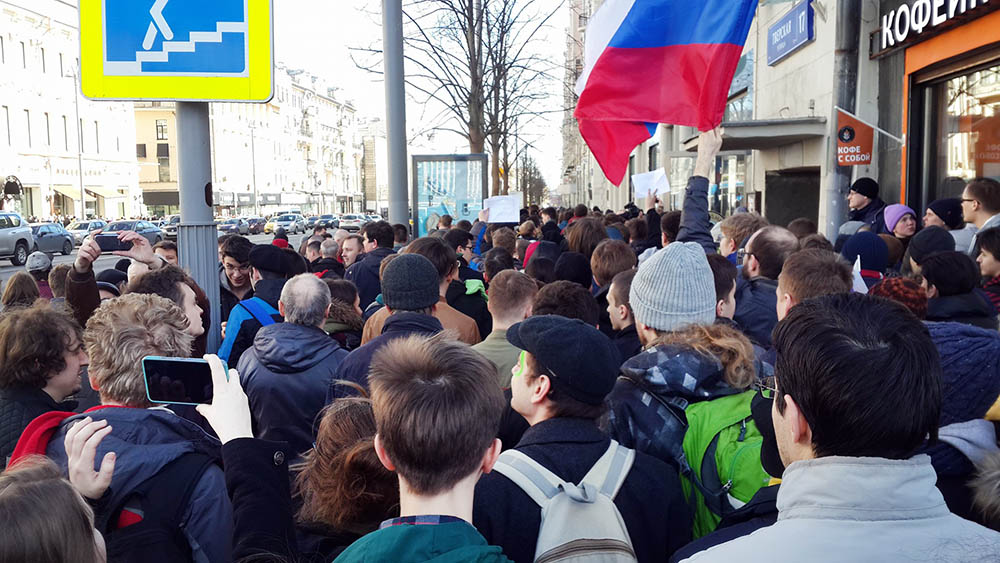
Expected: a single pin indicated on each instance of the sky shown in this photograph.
(317, 35)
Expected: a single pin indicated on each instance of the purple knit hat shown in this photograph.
(893, 213)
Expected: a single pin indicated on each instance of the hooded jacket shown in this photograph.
(835, 509)
(355, 366)
(332, 268)
(145, 441)
(364, 274)
(344, 325)
(967, 308)
(18, 407)
(286, 374)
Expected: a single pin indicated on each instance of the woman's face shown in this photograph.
(906, 227)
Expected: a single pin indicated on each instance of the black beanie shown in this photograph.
(866, 187)
(950, 211)
(930, 240)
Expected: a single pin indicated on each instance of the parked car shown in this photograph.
(311, 221)
(16, 239)
(374, 218)
(108, 240)
(352, 222)
(291, 223)
(256, 225)
(234, 226)
(81, 229)
(170, 227)
(328, 221)
(51, 238)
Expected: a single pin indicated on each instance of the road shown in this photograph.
(109, 260)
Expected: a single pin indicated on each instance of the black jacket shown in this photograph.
(650, 501)
(18, 407)
(760, 512)
(872, 215)
(364, 274)
(286, 374)
(355, 366)
(332, 268)
(466, 273)
(627, 341)
(551, 232)
(968, 308)
(755, 308)
(472, 306)
(603, 317)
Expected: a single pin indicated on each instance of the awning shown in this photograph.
(106, 193)
(72, 192)
(763, 134)
(161, 198)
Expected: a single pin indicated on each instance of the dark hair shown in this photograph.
(541, 270)
(381, 233)
(670, 224)
(563, 405)
(464, 225)
(638, 230)
(802, 227)
(551, 212)
(987, 192)
(455, 238)
(815, 241)
(445, 220)
(621, 285)
(342, 290)
(863, 371)
(314, 246)
(440, 254)
(224, 238)
(238, 248)
(169, 245)
(437, 409)
(496, 261)
(988, 240)
(813, 273)
(400, 233)
(610, 258)
(584, 235)
(952, 273)
(318, 228)
(567, 299)
(33, 345)
(565, 216)
(57, 280)
(21, 291)
(771, 247)
(725, 273)
(581, 211)
(164, 282)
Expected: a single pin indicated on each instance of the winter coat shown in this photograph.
(871, 215)
(469, 298)
(344, 325)
(453, 541)
(331, 268)
(968, 308)
(696, 223)
(364, 274)
(463, 327)
(145, 441)
(761, 511)
(551, 232)
(756, 314)
(355, 366)
(627, 342)
(285, 375)
(835, 509)
(18, 407)
(603, 317)
(466, 273)
(650, 500)
(242, 327)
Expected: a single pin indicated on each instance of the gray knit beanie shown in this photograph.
(410, 283)
(675, 288)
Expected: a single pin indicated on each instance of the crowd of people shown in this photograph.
(580, 386)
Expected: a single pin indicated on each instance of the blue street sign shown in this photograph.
(790, 33)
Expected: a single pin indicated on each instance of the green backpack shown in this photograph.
(721, 470)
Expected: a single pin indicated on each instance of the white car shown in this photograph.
(352, 222)
(81, 229)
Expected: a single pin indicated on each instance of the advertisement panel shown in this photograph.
(452, 185)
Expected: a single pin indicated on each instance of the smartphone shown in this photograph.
(109, 242)
(178, 381)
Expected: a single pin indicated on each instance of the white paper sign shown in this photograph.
(655, 182)
(504, 208)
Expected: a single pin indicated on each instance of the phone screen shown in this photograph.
(184, 381)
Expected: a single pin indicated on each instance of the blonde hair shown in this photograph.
(726, 344)
(122, 332)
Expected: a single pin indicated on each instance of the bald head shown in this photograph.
(767, 251)
(340, 235)
(305, 300)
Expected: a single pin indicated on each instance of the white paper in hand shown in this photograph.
(859, 282)
(655, 182)
(504, 208)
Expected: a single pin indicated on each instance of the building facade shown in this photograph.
(42, 142)
(375, 167)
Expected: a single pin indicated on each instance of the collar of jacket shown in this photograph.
(269, 291)
(407, 321)
(861, 488)
(36, 395)
(562, 430)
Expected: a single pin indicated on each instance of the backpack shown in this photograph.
(258, 312)
(580, 523)
(146, 525)
(719, 461)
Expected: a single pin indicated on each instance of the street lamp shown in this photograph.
(74, 74)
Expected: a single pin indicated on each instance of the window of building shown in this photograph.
(62, 71)
(24, 56)
(140, 150)
(41, 52)
(48, 131)
(654, 157)
(161, 129)
(97, 137)
(27, 126)
(164, 168)
(65, 134)
(5, 124)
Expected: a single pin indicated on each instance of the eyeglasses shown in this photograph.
(742, 253)
(964, 199)
(241, 268)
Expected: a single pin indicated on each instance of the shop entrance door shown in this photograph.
(790, 195)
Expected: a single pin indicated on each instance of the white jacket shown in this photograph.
(847, 509)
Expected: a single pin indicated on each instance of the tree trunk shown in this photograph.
(495, 163)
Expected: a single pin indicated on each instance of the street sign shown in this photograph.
(182, 50)
(791, 32)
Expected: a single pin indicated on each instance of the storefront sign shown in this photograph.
(911, 20)
(244, 200)
(790, 33)
(855, 140)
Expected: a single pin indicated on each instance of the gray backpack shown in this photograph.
(580, 523)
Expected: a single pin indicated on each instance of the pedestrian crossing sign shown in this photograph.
(182, 50)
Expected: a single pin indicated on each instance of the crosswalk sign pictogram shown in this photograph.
(184, 50)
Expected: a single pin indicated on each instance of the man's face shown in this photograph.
(781, 433)
(969, 206)
(466, 251)
(931, 219)
(988, 264)
(856, 200)
(750, 265)
(357, 305)
(520, 391)
(727, 245)
(191, 310)
(351, 251)
(238, 274)
(370, 245)
(614, 310)
(70, 380)
(729, 305)
(169, 255)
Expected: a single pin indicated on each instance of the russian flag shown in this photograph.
(656, 61)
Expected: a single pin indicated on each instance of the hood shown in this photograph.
(269, 291)
(544, 249)
(986, 489)
(407, 322)
(976, 439)
(681, 372)
(291, 348)
(344, 314)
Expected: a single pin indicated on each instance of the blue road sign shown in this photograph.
(790, 33)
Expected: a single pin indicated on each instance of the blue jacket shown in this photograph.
(286, 374)
(364, 274)
(696, 224)
(242, 327)
(145, 441)
(756, 312)
(355, 366)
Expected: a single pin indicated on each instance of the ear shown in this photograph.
(540, 389)
(281, 308)
(491, 455)
(719, 306)
(797, 426)
(932, 292)
(664, 241)
(383, 456)
(326, 314)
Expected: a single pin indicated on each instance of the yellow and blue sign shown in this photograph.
(184, 50)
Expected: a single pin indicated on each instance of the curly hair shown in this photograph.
(726, 344)
(33, 345)
(125, 330)
(341, 480)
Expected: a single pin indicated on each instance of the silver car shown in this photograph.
(170, 227)
(15, 238)
(292, 223)
(352, 222)
(81, 229)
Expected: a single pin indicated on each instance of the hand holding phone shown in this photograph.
(229, 411)
(179, 381)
